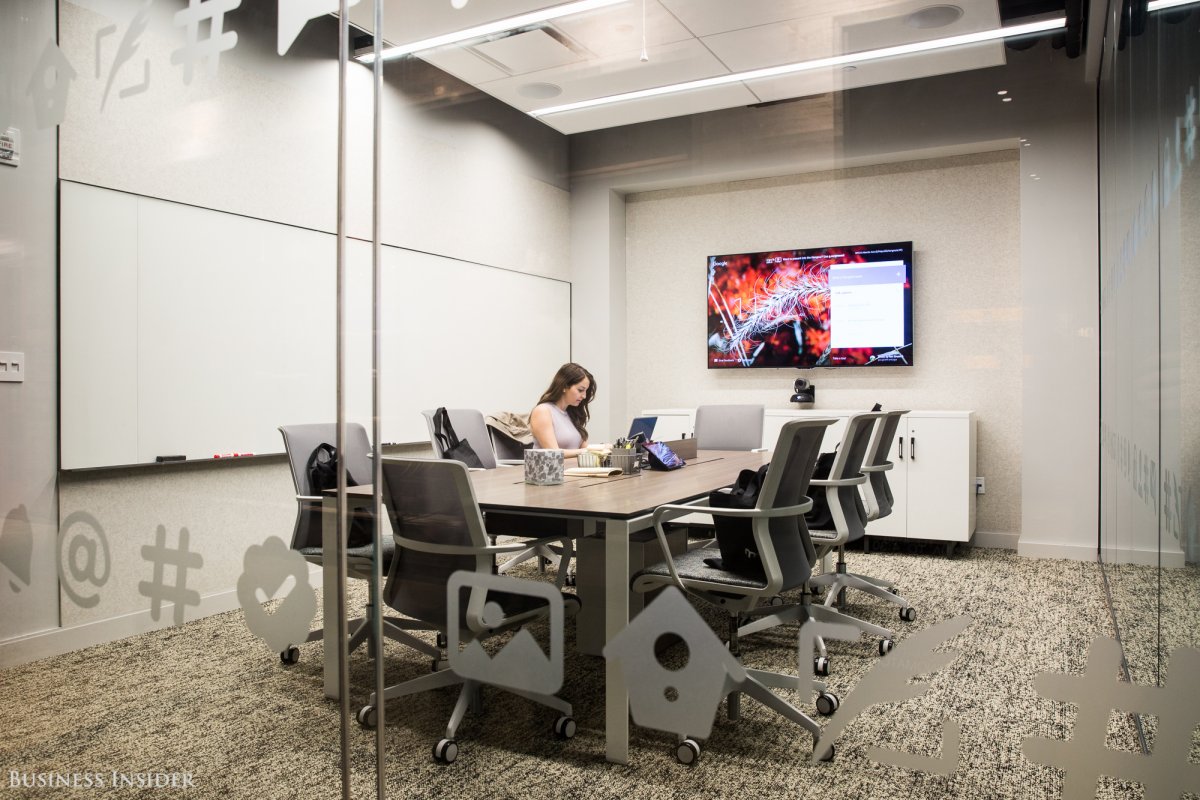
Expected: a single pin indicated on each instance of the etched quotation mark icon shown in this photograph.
(161, 557)
(1166, 772)
(209, 48)
(85, 556)
(125, 51)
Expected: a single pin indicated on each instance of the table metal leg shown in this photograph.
(329, 595)
(616, 617)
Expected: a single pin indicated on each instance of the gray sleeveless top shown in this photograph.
(564, 430)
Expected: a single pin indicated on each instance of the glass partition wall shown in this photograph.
(1150, 256)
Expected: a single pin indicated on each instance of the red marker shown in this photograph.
(226, 455)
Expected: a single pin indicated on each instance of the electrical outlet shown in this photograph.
(979, 485)
(12, 367)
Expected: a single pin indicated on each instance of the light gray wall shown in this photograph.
(961, 213)
(28, 323)
(1052, 107)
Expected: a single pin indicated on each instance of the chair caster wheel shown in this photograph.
(894, 590)
(445, 751)
(821, 666)
(368, 717)
(908, 613)
(775, 601)
(688, 752)
(885, 646)
(438, 664)
(828, 756)
(441, 641)
(827, 703)
(290, 656)
(570, 579)
(564, 728)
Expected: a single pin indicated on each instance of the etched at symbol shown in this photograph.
(85, 559)
(208, 49)
(182, 560)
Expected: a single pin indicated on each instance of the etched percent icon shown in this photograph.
(269, 571)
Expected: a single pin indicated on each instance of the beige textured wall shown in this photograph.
(962, 215)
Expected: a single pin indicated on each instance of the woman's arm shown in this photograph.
(542, 425)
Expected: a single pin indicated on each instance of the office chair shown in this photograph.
(469, 425)
(439, 531)
(785, 558)
(299, 441)
(848, 517)
(729, 427)
(722, 427)
(878, 496)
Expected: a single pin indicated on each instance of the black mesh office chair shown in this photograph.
(439, 531)
(785, 559)
(469, 425)
(300, 441)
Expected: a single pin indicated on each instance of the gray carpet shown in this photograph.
(207, 698)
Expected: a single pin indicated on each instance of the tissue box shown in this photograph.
(543, 467)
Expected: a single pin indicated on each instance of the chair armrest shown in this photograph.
(510, 462)
(884, 467)
(761, 450)
(311, 497)
(855, 481)
(439, 548)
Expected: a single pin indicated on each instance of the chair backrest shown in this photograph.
(430, 501)
(469, 426)
(505, 446)
(787, 484)
(845, 502)
(729, 427)
(877, 491)
(299, 441)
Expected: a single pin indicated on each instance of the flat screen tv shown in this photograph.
(847, 306)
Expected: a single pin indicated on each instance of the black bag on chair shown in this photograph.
(322, 469)
(735, 537)
(453, 448)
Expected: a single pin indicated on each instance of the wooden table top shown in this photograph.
(620, 497)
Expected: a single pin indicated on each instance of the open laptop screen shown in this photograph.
(644, 426)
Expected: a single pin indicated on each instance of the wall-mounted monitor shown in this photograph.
(847, 306)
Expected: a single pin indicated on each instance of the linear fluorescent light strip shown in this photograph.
(807, 66)
(1159, 5)
(499, 26)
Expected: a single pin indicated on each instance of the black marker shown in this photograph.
(163, 459)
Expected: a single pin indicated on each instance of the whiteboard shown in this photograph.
(187, 331)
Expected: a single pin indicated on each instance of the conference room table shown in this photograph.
(624, 504)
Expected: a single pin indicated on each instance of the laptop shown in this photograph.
(644, 426)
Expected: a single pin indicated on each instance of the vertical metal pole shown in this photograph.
(376, 389)
(342, 641)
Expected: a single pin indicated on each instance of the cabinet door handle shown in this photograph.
(900, 439)
(912, 448)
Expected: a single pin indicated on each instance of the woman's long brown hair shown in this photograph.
(567, 376)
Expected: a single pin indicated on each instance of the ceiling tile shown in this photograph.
(463, 64)
(528, 52)
(618, 29)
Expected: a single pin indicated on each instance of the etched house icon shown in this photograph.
(681, 701)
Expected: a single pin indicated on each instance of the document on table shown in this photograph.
(593, 472)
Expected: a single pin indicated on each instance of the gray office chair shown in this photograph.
(439, 531)
(469, 425)
(729, 427)
(878, 498)
(300, 441)
(846, 523)
(785, 558)
(722, 427)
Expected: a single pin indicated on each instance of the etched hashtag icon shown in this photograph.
(161, 557)
(209, 48)
(1166, 771)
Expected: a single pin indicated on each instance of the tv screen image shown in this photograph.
(848, 306)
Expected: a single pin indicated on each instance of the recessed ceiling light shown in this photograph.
(459, 3)
(934, 17)
(849, 68)
(816, 64)
(499, 26)
(1159, 5)
(1002, 92)
(1024, 144)
(1005, 99)
(539, 91)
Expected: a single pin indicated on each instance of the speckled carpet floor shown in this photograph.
(208, 699)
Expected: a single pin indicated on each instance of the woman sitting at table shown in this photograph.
(560, 418)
